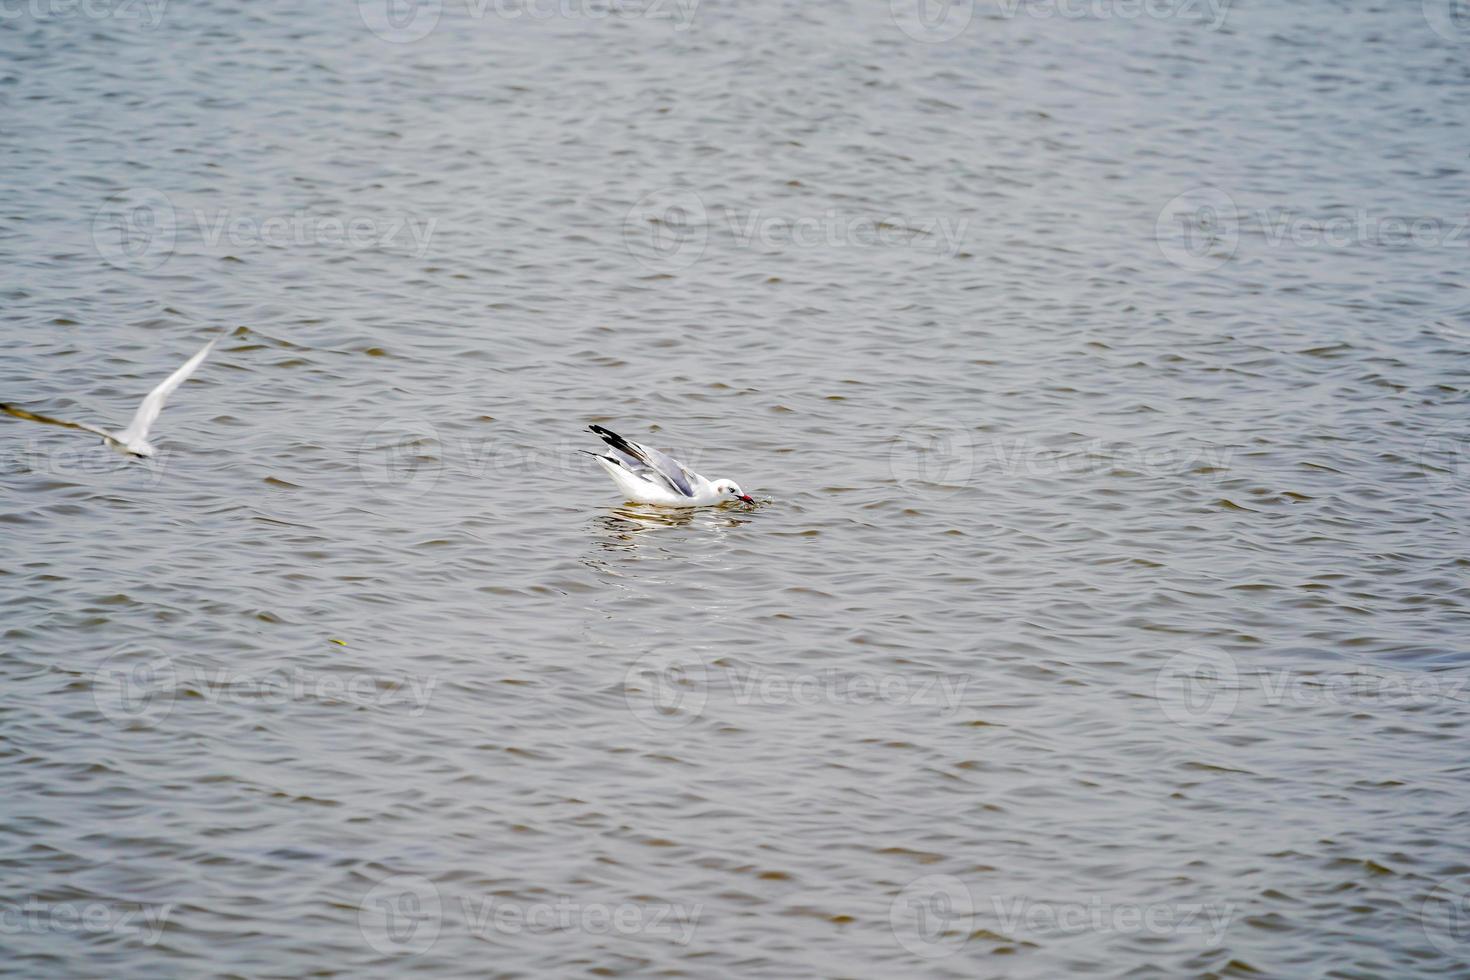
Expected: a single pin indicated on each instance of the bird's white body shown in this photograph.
(134, 439)
(643, 491)
(648, 476)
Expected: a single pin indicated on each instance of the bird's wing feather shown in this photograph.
(148, 411)
(673, 472)
(637, 470)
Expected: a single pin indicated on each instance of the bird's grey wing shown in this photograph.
(148, 411)
(638, 468)
(674, 473)
(21, 413)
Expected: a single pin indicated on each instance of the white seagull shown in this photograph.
(134, 439)
(651, 477)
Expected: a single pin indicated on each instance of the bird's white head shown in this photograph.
(732, 489)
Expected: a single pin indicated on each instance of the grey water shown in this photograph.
(1100, 372)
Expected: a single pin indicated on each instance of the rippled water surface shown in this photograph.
(1101, 381)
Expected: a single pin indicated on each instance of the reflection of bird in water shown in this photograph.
(634, 526)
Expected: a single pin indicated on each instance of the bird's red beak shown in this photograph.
(747, 498)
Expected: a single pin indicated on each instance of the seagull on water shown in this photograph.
(134, 439)
(651, 477)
